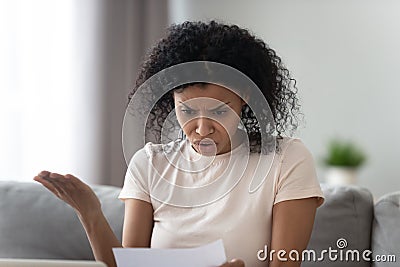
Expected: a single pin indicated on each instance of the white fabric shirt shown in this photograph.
(242, 219)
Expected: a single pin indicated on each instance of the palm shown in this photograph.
(71, 190)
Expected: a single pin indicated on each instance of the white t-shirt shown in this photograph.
(240, 216)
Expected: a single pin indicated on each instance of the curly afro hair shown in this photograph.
(232, 46)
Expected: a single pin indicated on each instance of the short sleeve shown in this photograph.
(297, 177)
(136, 178)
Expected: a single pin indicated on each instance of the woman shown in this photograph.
(216, 122)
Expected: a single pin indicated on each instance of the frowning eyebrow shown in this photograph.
(218, 107)
(186, 106)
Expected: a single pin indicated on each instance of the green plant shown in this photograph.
(344, 153)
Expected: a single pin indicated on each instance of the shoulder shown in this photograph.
(158, 156)
(151, 150)
(144, 154)
(290, 148)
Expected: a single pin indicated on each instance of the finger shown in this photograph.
(58, 176)
(44, 174)
(67, 184)
(42, 180)
(57, 190)
(73, 179)
(70, 176)
(76, 183)
(58, 182)
(46, 184)
(64, 189)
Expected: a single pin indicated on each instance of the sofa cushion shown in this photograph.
(386, 231)
(36, 224)
(345, 219)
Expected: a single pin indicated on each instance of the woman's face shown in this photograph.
(209, 116)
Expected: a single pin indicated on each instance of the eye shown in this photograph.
(188, 111)
(219, 112)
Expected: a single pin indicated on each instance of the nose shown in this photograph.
(204, 126)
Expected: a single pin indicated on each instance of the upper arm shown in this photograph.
(292, 224)
(138, 223)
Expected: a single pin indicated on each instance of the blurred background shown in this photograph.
(66, 68)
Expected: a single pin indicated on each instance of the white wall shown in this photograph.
(66, 68)
(345, 56)
(48, 89)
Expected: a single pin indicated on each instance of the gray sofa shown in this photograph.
(35, 224)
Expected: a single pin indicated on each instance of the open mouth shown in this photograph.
(206, 146)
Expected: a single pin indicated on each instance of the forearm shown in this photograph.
(291, 230)
(101, 237)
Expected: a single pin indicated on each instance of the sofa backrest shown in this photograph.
(40, 226)
(342, 223)
(385, 241)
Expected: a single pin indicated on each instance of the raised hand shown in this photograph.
(85, 202)
(72, 191)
